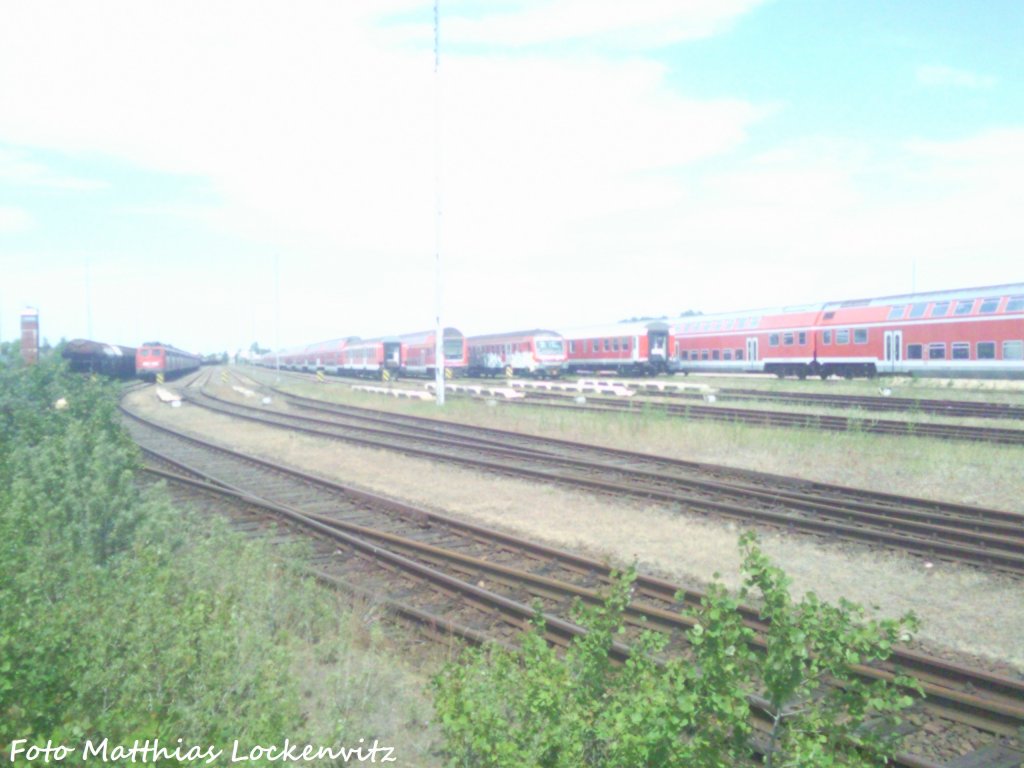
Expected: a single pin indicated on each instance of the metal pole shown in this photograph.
(439, 328)
(277, 316)
(88, 298)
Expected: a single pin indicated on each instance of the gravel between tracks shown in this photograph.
(962, 609)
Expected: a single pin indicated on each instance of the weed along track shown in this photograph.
(959, 533)
(816, 421)
(457, 578)
(883, 403)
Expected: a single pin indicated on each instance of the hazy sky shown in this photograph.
(191, 171)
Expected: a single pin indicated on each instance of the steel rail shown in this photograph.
(821, 422)
(993, 684)
(876, 500)
(1009, 556)
(979, 712)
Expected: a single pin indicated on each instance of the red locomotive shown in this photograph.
(633, 348)
(525, 353)
(154, 358)
(976, 332)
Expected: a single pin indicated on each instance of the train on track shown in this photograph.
(633, 348)
(974, 332)
(156, 358)
(523, 353)
(113, 360)
(411, 354)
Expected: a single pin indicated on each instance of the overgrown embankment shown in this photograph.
(124, 618)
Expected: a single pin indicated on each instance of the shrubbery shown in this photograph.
(124, 618)
(537, 707)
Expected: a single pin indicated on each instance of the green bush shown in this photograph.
(537, 707)
(124, 618)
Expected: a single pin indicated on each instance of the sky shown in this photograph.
(217, 174)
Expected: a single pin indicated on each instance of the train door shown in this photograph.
(657, 346)
(658, 341)
(893, 351)
(392, 354)
(752, 354)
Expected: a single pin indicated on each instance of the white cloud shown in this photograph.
(608, 23)
(936, 75)
(314, 132)
(16, 169)
(575, 187)
(14, 220)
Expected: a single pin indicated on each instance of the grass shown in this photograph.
(987, 390)
(952, 601)
(962, 472)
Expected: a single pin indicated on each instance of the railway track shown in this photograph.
(981, 537)
(951, 408)
(456, 578)
(822, 422)
(662, 389)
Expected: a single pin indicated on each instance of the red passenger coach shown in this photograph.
(977, 332)
(419, 352)
(525, 353)
(372, 357)
(154, 358)
(773, 340)
(629, 348)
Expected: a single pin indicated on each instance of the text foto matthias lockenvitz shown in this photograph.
(152, 751)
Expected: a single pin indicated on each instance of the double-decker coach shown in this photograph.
(976, 332)
(327, 356)
(628, 348)
(372, 357)
(419, 352)
(779, 341)
(524, 353)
